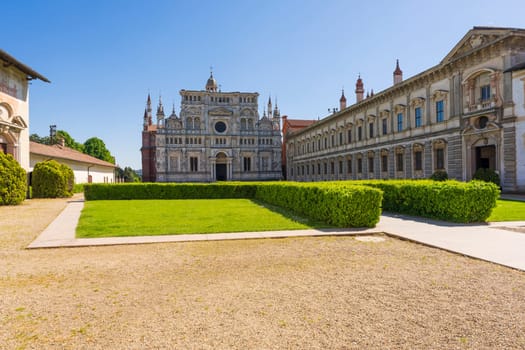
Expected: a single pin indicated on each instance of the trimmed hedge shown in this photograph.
(341, 206)
(52, 180)
(13, 181)
(133, 190)
(445, 200)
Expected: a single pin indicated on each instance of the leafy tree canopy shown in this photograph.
(95, 147)
(128, 174)
(69, 141)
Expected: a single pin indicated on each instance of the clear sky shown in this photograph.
(104, 56)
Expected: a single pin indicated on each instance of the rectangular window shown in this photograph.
(340, 167)
(359, 165)
(440, 116)
(400, 122)
(384, 163)
(349, 136)
(371, 130)
(325, 168)
(349, 166)
(440, 158)
(418, 160)
(318, 168)
(325, 143)
(370, 164)
(194, 164)
(340, 138)
(399, 161)
(333, 140)
(385, 126)
(359, 133)
(417, 113)
(485, 93)
(247, 164)
(332, 168)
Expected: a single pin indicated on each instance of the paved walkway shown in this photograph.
(495, 242)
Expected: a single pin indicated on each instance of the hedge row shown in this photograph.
(341, 206)
(445, 200)
(336, 204)
(133, 190)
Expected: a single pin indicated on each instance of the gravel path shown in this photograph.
(315, 293)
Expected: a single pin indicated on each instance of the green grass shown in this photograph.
(508, 211)
(114, 218)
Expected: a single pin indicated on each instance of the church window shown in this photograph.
(399, 161)
(440, 159)
(247, 164)
(194, 163)
(418, 160)
(243, 124)
(417, 112)
(485, 92)
(189, 123)
(400, 122)
(440, 113)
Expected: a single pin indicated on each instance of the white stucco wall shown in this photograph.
(99, 174)
(518, 91)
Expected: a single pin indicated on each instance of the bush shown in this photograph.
(13, 181)
(487, 175)
(52, 180)
(439, 175)
(445, 200)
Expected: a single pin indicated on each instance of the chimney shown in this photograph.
(398, 74)
(342, 101)
(359, 89)
(61, 142)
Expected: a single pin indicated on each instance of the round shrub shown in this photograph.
(439, 175)
(13, 181)
(487, 175)
(52, 180)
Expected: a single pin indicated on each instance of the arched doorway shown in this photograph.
(221, 167)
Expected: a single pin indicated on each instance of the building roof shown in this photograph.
(10, 60)
(298, 124)
(62, 152)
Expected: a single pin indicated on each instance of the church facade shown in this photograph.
(218, 136)
(466, 113)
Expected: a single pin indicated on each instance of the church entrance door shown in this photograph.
(220, 171)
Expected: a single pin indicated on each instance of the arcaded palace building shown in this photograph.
(218, 136)
(14, 107)
(465, 113)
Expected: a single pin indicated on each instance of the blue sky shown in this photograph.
(103, 57)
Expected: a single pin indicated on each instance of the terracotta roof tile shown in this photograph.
(57, 151)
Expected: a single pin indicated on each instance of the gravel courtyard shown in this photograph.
(315, 293)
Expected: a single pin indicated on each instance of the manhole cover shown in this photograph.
(374, 239)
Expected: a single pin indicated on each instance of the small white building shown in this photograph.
(87, 169)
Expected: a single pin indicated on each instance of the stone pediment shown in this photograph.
(475, 39)
(220, 112)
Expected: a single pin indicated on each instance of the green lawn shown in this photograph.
(508, 211)
(115, 218)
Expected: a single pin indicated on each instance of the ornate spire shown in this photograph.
(398, 74)
(211, 84)
(342, 100)
(359, 88)
(160, 108)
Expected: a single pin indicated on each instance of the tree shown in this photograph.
(35, 138)
(69, 141)
(95, 147)
(13, 180)
(128, 174)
